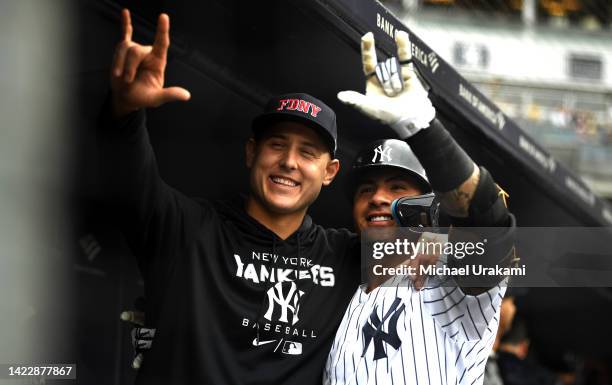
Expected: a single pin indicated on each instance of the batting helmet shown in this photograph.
(387, 153)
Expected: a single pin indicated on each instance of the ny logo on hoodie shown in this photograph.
(285, 296)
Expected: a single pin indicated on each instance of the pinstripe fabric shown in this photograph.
(445, 335)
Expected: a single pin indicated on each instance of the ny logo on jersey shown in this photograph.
(382, 154)
(287, 297)
(372, 330)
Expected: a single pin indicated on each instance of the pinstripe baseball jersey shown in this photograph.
(399, 335)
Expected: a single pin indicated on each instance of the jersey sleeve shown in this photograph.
(464, 317)
(154, 218)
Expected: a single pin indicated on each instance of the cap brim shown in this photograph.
(264, 121)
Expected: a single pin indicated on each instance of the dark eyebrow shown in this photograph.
(397, 178)
(311, 144)
(392, 178)
(277, 135)
(280, 135)
(365, 181)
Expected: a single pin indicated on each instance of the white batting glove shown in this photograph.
(394, 94)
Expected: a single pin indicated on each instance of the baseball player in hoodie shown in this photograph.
(243, 291)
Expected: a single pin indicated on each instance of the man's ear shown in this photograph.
(250, 149)
(331, 170)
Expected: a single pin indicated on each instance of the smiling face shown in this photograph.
(377, 188)
(289, 164)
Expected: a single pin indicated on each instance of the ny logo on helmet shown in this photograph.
(287, 296)
(382, 153)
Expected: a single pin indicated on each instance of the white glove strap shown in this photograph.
(405, 128)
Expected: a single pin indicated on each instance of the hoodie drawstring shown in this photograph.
(268, 285)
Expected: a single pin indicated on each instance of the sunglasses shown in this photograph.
(416, 211)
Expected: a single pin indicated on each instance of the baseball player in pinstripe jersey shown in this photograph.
(415, 329)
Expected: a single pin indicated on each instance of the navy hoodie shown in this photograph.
(232, 303)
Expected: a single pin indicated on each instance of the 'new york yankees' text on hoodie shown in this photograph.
(232, 303)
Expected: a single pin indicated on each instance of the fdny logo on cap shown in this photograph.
(299, 105)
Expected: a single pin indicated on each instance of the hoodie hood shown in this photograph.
(234, 211)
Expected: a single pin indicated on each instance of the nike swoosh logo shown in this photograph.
(259, 343)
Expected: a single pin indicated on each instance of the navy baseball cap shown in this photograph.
(302, 108)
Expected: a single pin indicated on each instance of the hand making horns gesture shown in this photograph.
(394, 93)
(137, 73)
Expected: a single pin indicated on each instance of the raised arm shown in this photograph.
(151, 212)
(396, 96)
